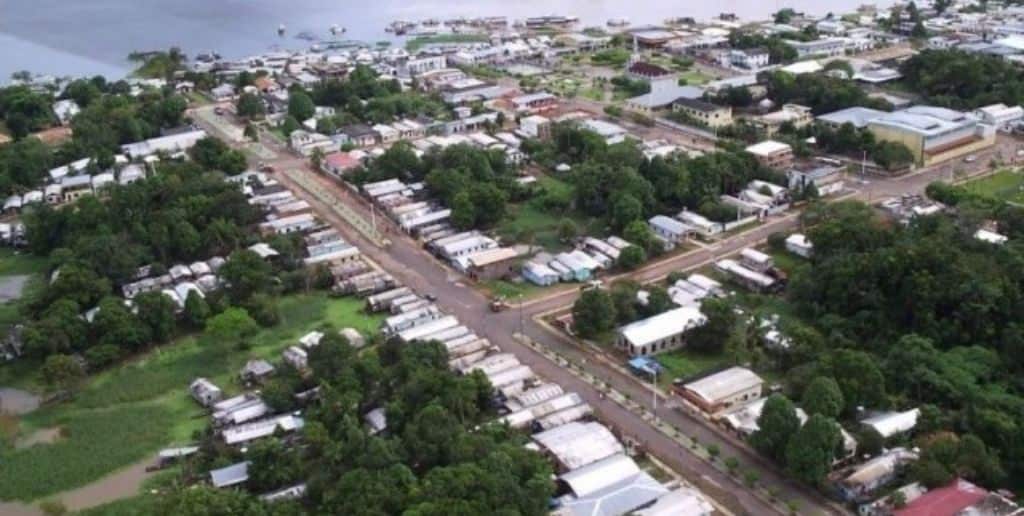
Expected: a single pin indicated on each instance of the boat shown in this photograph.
(336, 29)
(280, 30)
(306, 36)
(400, 27)
(618, 22)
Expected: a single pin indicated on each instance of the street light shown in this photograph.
(654, 392)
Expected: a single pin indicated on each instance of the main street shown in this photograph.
(409, 263)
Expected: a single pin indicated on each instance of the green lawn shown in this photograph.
(682, 363)
(127, 413)
(512, 291)
(1007, 185)
(530, 216)
(12, 263)
(695, 77)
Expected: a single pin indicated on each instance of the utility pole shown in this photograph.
(521, 315)
(654, 392)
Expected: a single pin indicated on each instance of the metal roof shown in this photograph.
(577, 444)
(723, 384)
(655, 328)
(231, 475)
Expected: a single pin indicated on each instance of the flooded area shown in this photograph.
(17, 401)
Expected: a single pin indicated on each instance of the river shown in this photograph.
(80, 37)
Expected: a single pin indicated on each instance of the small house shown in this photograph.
(354, 338)
(540, 274)
(205, 392)
(256, 371)
(800, 245)
(722, 390)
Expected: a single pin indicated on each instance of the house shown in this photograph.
(534, 103)
(540, 274)
(223, 92)
(205, 392)
(534, 126)
(353, 337)
(800, 245)
(934, 134)
(614, 485)
(296, 357)
(65, 110)
(889, 424)
(750, 279)
(747, 58)
(826, 179)
(612, 133)
(756, 260)
(793, 114)
(959, 498)
(491, 264)
(662, 332)
(705, 113)
(388, 134)
(575, 445)
(1001, 116)
(229, 476)
(256, 371)
(664, 91)
(306, 143)
(703, 226)
(360, 135)
(292, 224)
(874, 474)
(174, 145)
(73, 187)
(722, 390)
(825, 47)
(683, 500)
(670, 230)
(241, 434)
(772, 154)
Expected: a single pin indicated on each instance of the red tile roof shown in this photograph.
(648, 69)
(944, 501)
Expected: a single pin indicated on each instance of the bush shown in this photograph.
(777, 241)
(101, 356)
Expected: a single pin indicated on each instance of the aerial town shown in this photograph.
(699, 267)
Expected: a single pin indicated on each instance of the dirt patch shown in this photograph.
(17, 401)
(11, 287)
(42, 436)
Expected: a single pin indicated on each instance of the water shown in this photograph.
(83, 37)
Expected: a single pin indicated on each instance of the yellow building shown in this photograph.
(933, 134)
(711, 115)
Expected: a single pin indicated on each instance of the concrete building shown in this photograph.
(706, 113)
(772, 154)
(671, 231)
(827, 179)
(794, 114)
(660, 333)
(722, 390)
(856, 116)
(612, 133)
(934, 134)
(1001, 116)
(491, 264)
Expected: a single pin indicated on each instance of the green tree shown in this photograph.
(250, 106)
(632, 257)
(117, 326)
(463, 211)
(233, 325)
(721, 323)
(626, 209)
(567, 230)
(593, 313)
(823, 397)
(859, 378)
(62, 373)
(300, 106)
(157, 312)
(777, 423)
(290, 125)
(810, 452)
(640, 234)
(245, 274)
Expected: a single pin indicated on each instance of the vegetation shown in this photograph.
(855, 142)
(126, 413)
(611, 57)
(962, 80)
(434, 457)
(821, 93)
(364, 97)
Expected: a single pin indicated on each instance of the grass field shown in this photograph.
(1006, 185)
(683, 364)
(13, 263)
(531, 216)
(695, 77)
(125, 414)
(512, 291)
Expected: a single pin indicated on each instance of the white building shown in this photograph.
(662, 332)
(889, 424)
(800, 245)
(725, 389)
(1000, 115)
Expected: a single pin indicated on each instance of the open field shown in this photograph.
(127, 413)
(684, 364)
(1007, 185)
(531, 217)
(16, 263)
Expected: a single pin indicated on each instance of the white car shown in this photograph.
(970, 159)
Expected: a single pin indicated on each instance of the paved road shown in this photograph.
(408, 262)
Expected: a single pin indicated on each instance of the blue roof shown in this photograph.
(646, 364)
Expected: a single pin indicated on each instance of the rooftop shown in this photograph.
(858, 116)
(670, 323)
(768, 148)
(722, 384)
